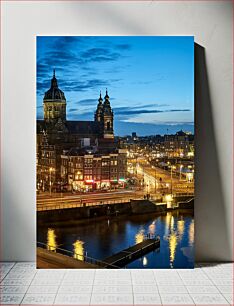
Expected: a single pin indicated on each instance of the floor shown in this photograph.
(207, 284)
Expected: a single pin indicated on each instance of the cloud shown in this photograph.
(137, 111)
(67, 51)
(155, 105)
(71, 110)
(122, 114)
(145, 129)
(123, 46)
(100, 55)
(87, 101)
(73, 57)
(176, 122)
(83, 85)
(139, 106)
(65, 41)
(127, 111)
(61, 60)
(72, 86)
(90, 101)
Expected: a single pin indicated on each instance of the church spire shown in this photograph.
(54, 83)
(106, 96)
(100, 98)
(106, 102)
(108, 131)
(98, 114)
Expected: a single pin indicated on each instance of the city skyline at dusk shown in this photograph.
(115, 170)
(150, 80)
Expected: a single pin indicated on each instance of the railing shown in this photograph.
(42, 207)
(76, 256)
(184, 194)
(186, 201)
(64, 205)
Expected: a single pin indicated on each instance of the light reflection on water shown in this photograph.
(100, 239)
(51, 240)
(78, 250)
(139, 236)
(172, 247)
(145, 261)
(152, 228)
(180, 228)
(191, 233)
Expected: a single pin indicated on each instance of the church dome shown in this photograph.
(54, 93)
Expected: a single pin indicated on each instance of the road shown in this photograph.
(144, 170)
(163, 179)
(87, 199)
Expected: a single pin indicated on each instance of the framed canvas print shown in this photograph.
(115, 152)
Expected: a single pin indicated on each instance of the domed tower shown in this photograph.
(108, 116)
(54, 102)
(98, 117)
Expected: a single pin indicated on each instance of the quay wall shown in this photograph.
(75, 214)
(134, 207)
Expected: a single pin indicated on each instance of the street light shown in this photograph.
(155, 177)
(172, 167)
(51, 169)
(155, 180)
(181, 166)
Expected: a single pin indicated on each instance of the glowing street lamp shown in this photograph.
(181, 166)
(155, 179)
(147, 190)
(172, 167)
(51, 169)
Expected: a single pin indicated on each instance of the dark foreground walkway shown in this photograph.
(50, 260)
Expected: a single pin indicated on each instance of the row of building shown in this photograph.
(179, 145)
(81, 169)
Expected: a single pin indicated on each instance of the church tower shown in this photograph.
(98, 117)
(108, 131)
(54, 103)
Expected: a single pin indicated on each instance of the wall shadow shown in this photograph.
(211, 227)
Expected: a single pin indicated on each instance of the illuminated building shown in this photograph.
(90, 169)
(56, 134)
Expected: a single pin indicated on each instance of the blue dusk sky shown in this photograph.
(150, 79)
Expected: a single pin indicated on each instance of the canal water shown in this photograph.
(102, 238)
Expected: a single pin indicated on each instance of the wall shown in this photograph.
(211, 24)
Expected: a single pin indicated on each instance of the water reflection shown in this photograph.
(78, 250)
(51, 240)
(172, 223)
(103, 239)
(191, 233)
(172, 247)
(172, 235)
(139, 236)
(145, 261)
(167, 223)
(180, 228)
(152, 228)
